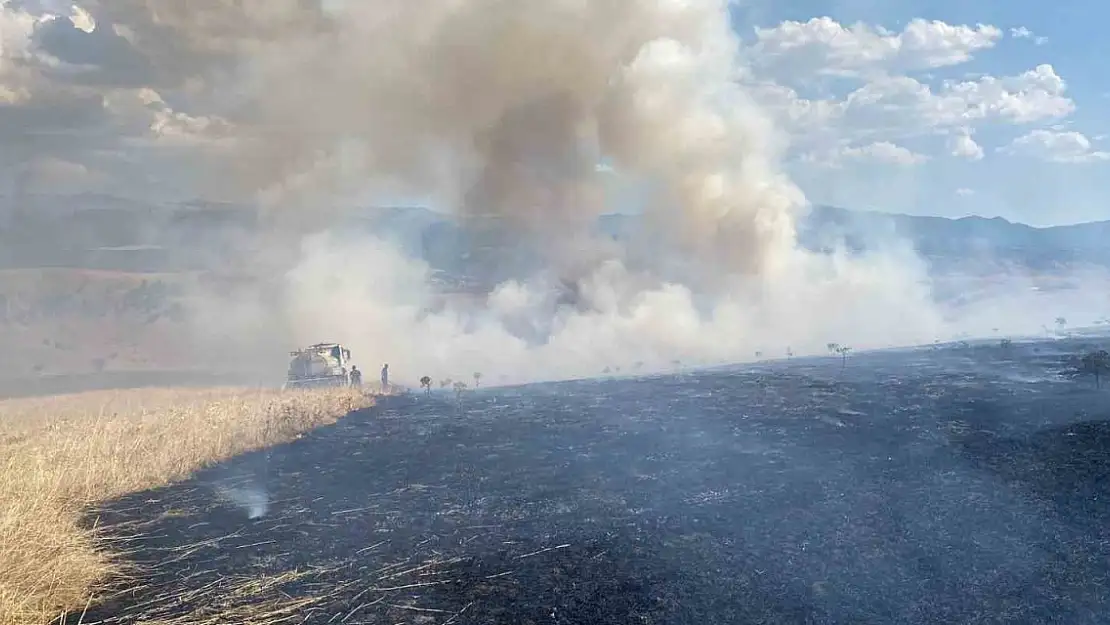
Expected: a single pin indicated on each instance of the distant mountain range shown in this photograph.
(969, 244)
(106, 232)
(967, 241)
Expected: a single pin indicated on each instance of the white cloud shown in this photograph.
(880, 152)
(53, 175)
(156, 120)
(1022, 32)
(16, 30)
(1035, 95)
(894, 108)
(1056, 147)
(82, 19)
(962, 145)
(824, 46)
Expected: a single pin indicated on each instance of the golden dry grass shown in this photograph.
(60, 455)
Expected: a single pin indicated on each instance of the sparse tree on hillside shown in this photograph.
(843, 351)
(840, 350)
(759, 354)
(459, 388)
(1096, 363)
(1006, 343)
(477, 379)
(445, 383)
(426, 384)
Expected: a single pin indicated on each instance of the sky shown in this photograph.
(937, 107)
(989, 108)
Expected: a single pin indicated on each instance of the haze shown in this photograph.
(502, 112)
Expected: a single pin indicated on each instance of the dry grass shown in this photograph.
(61, 455)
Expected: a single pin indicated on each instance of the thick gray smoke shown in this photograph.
(493, 107)
(504, 108)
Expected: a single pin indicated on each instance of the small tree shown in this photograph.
(839, 350)
(477, 379)
(459, 388)
(426, 384)
(445, 383)
(1096, 363)
(1006, 343)
(843, 351)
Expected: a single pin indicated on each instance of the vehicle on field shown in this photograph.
(322, 364)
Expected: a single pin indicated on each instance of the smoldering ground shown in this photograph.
(498, 109)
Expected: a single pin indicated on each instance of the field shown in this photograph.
(948, 485)
(62, 455)
(66, 322)
(68, 329)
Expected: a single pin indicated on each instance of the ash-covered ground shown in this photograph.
(950, 485)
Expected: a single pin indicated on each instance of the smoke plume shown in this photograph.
(504, 109)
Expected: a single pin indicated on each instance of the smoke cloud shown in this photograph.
(502, 109)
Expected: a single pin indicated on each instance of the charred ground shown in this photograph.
(950, 485)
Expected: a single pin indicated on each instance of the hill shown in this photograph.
(965, 245)
(94, 285)
(117, 234)
(968, 241)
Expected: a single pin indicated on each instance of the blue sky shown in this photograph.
(1033, 187)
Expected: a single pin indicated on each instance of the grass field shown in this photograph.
(61, 455)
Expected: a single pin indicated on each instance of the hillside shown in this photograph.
(102, 232)
(92, 287)
(966, 242)
(966, 245)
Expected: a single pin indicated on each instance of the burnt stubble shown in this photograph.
(957, 484)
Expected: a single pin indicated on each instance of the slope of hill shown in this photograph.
(119, 234)
(93, 285)
(965, 242)
(970, 244)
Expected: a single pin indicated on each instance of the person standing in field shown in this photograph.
(385, 377)
(356, 376)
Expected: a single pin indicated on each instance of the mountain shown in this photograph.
(965, 245)
(96, 285)
(965, 242)
(104, 232)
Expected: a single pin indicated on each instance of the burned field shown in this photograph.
(913, 487)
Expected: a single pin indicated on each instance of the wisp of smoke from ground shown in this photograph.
(503, 109)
